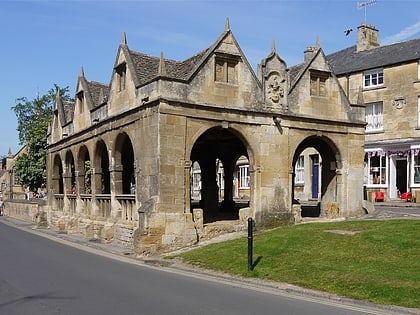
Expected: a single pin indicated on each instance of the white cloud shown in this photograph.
(406, 33)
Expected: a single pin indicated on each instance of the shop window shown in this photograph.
(377, 170)
(416, 168)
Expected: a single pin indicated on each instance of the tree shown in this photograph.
(33, 118)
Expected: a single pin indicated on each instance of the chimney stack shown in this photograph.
(367, 37)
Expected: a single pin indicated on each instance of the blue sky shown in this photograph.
(46, 42)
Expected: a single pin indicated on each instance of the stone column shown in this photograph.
(210, 190)
(116, 189)
(187, 180)
(228, 204)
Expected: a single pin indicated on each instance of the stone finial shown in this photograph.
(273, 46)
(82, 72)
(9, 154)
(57, 97)
(124, 39)
(162, 68)
(227, 26)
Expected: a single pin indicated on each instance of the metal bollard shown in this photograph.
(250, 241)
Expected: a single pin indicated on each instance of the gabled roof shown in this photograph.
(349, 61)
(147, 67)
(97, 91)
(68, 111)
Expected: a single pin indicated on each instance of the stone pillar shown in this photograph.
(80, 183)
(116, 189)
(210, 190)
(67, 189)
(187, 180)
(228, 204)
(96, 180)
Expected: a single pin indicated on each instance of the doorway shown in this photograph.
(401, 175)
(315, 176)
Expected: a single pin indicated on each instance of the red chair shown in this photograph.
(379, 196)
(406, 196)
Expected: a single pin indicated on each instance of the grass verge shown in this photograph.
(377, 261)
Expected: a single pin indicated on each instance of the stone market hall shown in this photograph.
(120, 157)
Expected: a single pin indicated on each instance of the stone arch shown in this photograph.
(124, 165)
(217, 150)
(327, 167)
(84, 171)
(70, 173)
(58, 183)
(100, 165)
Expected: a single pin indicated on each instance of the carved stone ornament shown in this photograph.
(275, 88)
(399, 102)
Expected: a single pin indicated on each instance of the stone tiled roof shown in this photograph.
(95, 88)
(349, 61)
(68, 110)
(147, 66)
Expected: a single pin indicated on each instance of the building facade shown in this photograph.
(386, 80)
(123, 158)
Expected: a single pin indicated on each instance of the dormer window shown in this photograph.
(225, 69)
(373, 78)
(80, 101)
(319, 82)
(121, 72)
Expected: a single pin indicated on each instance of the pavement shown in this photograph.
(381, 211)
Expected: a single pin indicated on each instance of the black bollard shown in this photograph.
(250, 241)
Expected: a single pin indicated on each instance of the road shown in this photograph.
(42, 276)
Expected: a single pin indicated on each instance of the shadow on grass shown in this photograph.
(256, 262)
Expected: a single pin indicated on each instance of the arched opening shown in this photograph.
(214, 156)
(70, 176)
(58, 182)
(125, 179)
(103, 178)
(315, 163)
(85, 173)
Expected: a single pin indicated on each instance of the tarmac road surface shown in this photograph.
(41, 274)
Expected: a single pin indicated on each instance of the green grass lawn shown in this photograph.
(377, 261)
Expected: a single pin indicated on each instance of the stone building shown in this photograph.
(11, 187)
(385, 79)
(120, 157)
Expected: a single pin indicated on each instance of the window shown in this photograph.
(418, 111)
(225, 70)
(121, 77)
(300, 170)
(376, 170)
(80, 101)
(319, 83)
(244, 176)
(374, 117)
(373, 78)
(416, 166)
(418, 70)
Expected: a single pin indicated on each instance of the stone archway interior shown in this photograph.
(314, 175)
(215, 154)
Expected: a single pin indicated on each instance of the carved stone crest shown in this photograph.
(276, 89)
(399, 102)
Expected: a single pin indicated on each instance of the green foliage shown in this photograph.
(33, 118)
(376, 261)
